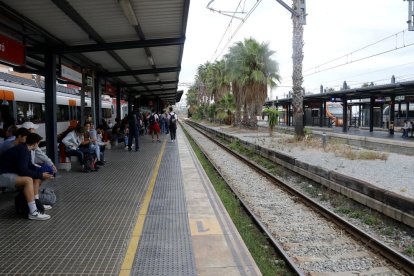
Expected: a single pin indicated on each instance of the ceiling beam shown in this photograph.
(142, 72)
(149, 83)
(103, 46)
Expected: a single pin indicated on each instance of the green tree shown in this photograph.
(251, 70)
(226, 107)
(192, 99)
(217, 80)
(273, 115)
(200, 83)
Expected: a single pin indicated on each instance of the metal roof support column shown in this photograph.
(82, 107)
(130, 102)
(91, 115)
(407, 109)
(371, 114)
(98, 101)
(344, 114)
(158, 105)
(50, 106)
(322, 114)
(288, 115)
(118, 102)
(392, 115)
(304, 115)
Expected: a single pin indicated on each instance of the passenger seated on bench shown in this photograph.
(100, 133)
(9, 133)
(39, 157)
(17, 171)
(116, 134)
(72, 141)
(93, 146)
(18, 138)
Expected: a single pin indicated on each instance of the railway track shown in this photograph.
(312, 239)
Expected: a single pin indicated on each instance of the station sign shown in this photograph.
(71, 74)
(336, 100)
(12, 51)
(109, 89)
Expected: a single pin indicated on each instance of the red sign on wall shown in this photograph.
(12, 51)
(109, 89)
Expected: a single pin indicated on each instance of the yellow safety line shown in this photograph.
(136, 234)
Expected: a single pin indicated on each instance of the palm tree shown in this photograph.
(297, 76)
(217, 81)
(251, 70)
(226, 107)
(201, 80)
(192, 99)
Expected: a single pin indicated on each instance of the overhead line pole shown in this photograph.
(286, 6)
(298, 20)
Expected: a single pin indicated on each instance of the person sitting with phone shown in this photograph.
(17, 170)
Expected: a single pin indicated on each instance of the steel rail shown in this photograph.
(279, 248)
(399, 260)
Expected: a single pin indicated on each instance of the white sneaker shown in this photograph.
(36, 215)
(47, 207)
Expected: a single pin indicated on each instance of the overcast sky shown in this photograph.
(334, 29)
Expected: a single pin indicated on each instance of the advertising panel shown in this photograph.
(12, 51)
(71, 74)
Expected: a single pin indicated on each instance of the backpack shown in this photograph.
(152, 119)
(172, 119)
(47, 196)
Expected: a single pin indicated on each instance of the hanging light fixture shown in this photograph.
(128, 12)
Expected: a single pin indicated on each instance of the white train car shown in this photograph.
(23, 103)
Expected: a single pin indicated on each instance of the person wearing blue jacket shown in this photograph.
(15, 164)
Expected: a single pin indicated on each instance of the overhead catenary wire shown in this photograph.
(242, 21)
(317, 69)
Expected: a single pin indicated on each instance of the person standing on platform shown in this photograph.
(172, 122)
(154, 126)
(134, 122)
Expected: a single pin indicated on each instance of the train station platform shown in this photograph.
(152, 212)
(379, 139)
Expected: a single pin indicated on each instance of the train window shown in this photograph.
(106, 113)
(62, 113)
(315, 113)
(34, 112)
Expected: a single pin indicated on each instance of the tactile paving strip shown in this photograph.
(165, 246)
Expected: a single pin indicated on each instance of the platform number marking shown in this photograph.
(200, 227)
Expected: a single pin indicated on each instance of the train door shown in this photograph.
(73, 116)
(7, 109)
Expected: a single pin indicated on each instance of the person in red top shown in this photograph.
(154, 127)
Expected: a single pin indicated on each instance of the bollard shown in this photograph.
(324, 140)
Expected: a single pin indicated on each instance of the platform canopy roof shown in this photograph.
(135, 44)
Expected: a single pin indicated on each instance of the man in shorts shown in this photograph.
(18, 172)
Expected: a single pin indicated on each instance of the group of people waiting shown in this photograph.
(151, 123)
(407, 128)
(87, 144)
(24, 166)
